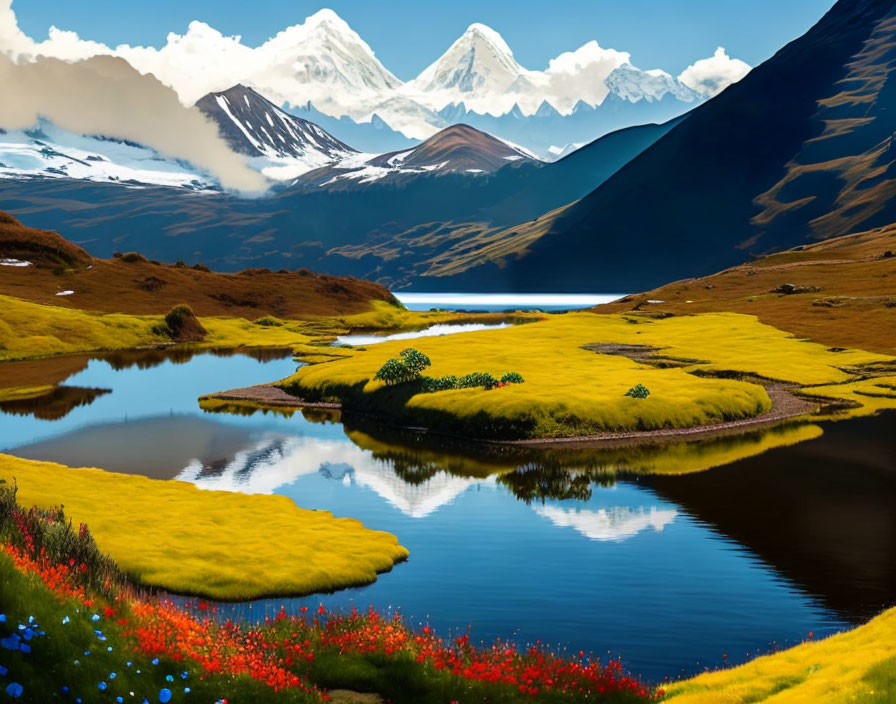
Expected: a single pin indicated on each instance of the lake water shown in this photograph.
(670, 572)
(504, 301)
(431, 331)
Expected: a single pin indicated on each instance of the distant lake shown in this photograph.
(504, 301)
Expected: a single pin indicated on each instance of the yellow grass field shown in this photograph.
(217, 544)
(570, 390)
(856, 667)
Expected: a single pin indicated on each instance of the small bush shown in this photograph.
(201, 267)
(393, 372)
(639, 391)
(268, 321)
(183, 325)
(401, 371)
(476, 379)
(512, 378)
(415, 360)
(133, 258)
(432, 384)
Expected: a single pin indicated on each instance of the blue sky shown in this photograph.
(408, 35)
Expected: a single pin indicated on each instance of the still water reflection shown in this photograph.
(582, 549)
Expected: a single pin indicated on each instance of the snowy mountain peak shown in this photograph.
(488, 35)
(254, 126)
(327, 16)
(478, 62)
(324, 54)
(633, 84)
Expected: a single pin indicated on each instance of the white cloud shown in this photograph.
(324, 61)
(713, 75)
(106, 96)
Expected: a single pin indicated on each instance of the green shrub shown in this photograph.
(393, 372)
(639, 391)
(401, 371)
(415, 360)
(268, 321)
(476, 379)
(443, 383)
(512, 378)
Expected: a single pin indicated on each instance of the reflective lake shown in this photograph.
(795, 533)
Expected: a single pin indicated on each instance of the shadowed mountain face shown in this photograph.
(797, 149)
(391, 231)
(254, 126)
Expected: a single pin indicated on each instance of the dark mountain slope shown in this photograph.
(253, 125)
(685, 206)
(349, 231)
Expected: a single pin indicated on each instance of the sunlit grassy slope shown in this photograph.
(30, 330)
(857, 667)
(570, 390)
(170, 534)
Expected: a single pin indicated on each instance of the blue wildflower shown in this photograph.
(119, 699)
(87, 653)
(65, 690)
(77, 662)
(95, 618)
(109, 649)
(31, 619)
(102, 686)
(25, 648)
(2, 618)
(169, 678)
(112, 675)
(11, 642)
(155, 661)
(129, 663)
(186, 690)
(15, 690)
(165, 695)
(65, 620)
(183, 675)
(3, 671)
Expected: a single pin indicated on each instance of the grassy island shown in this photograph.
(699, 370)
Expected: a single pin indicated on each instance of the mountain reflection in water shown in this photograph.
(668, 554)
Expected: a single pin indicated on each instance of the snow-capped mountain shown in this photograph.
(323, 63)
(478, 65)
(256, 127)
(633, 84)
(47, 151)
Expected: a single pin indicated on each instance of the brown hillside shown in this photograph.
(841, 292)
(132, 284)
